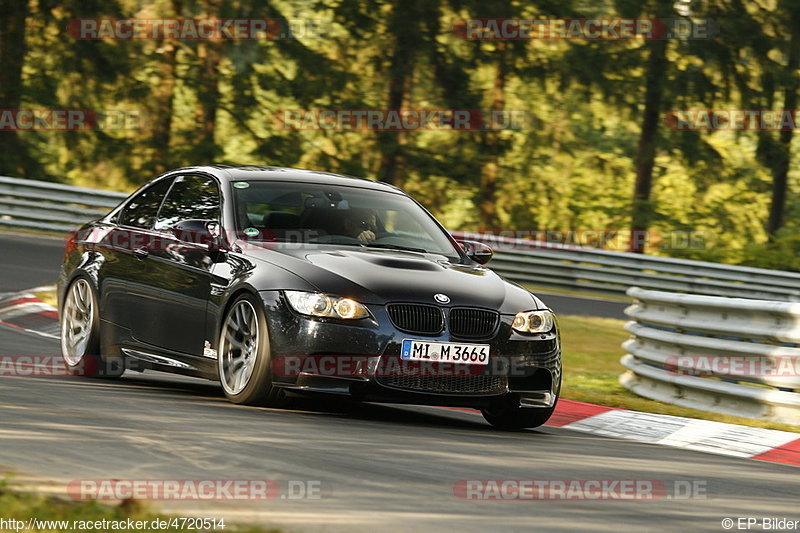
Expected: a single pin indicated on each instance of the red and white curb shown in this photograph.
(26, 312)
(680, 432)
(688, 433)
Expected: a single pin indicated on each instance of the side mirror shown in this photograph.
(477, 251)
(205, 233)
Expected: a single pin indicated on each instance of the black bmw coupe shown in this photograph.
(281, 282)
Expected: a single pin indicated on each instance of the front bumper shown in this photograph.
(361, 359)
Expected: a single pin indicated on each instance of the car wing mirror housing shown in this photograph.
(477, 251)
(207, 234)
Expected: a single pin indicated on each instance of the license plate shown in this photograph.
(449, 352)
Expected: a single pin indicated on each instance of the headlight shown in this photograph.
(533, 322)
(318, 304)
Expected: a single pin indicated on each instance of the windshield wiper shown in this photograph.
(395, 247)
(375, 245)
(337, 243)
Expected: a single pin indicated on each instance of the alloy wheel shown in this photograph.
(239, 344)
(76, 322)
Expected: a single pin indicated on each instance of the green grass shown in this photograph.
(591, 372)
(23, 506)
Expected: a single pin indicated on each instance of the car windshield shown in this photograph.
(335, 215)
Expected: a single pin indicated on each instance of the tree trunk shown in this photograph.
(780, 168)
(487, 194)
(163, 98)
(206, 149)
(404, 27)
(642, 209)
(206, 84)
(391, 142)
(14, 160)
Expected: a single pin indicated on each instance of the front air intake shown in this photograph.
(473, 323)
(416, 318)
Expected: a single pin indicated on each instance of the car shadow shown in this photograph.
(326, 405)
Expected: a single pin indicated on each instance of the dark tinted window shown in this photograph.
(334, 215)
(191, 197)
(142, 209)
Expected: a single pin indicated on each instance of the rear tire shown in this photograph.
(244, 357)
(507, 415)
(80, 333)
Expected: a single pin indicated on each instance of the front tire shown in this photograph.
(509, 416)
(80, 333)
(244, 357)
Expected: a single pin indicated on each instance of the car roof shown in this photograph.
(255, 173)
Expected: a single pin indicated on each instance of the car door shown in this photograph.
(179, 270)
(123, 248)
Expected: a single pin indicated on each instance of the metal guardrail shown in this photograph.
(604, 271)
(51, 207)
(728, 355)
(58, 208)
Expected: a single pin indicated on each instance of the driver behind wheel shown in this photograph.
(361, 224)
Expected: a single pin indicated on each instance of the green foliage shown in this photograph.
(570, 167)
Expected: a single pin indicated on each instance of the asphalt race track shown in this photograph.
(28, 261)
(380, 468)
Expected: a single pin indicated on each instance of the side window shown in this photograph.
(142, 209)
(191, 197)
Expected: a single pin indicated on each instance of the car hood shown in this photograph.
(379, 276)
